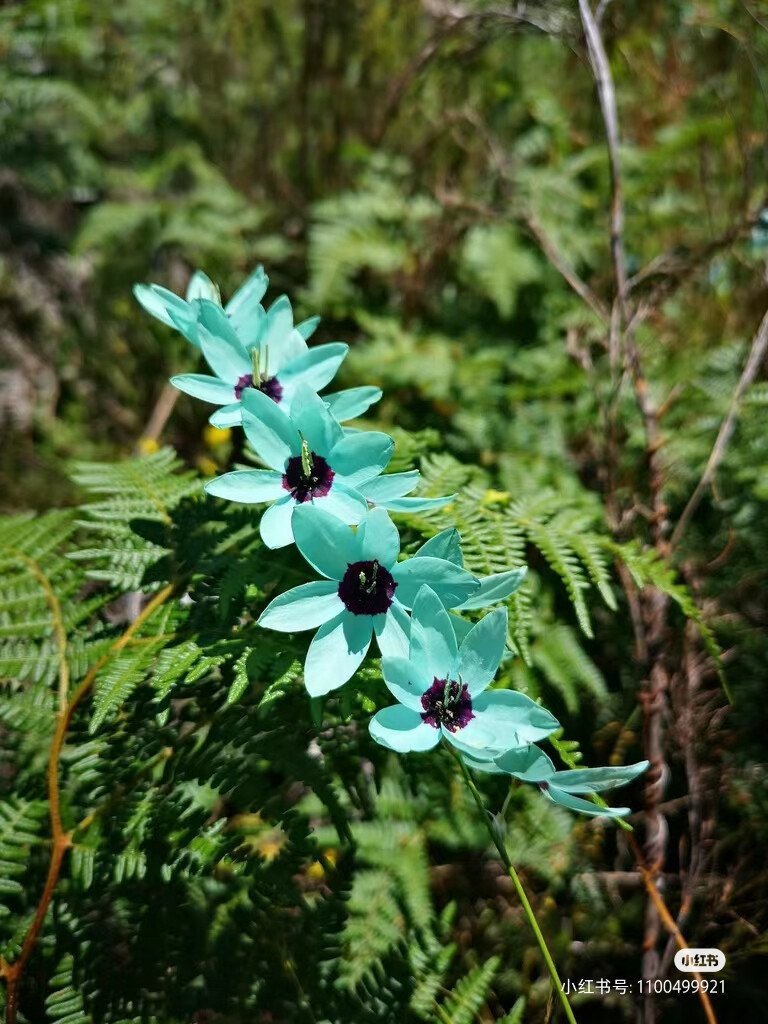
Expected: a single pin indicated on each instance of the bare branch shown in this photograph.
(751, 367)
(560, 263)
(601, 70)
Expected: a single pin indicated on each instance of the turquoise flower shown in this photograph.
(493, 588)
(532, 765)
(366, 592)
(388, 492)
(311, 459)
(242, 308)
(247, 346)
(442, 689)
(275, 360)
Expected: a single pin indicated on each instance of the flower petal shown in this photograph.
(361, 455)
(392, 632)
(481, 651)
(316, 367)
(595, 780)
(417, 504)
(207, 389)
(403, 683)
(451, 583)
(475, 739)
(516, 719)
(186, 321)
(527, 763)
(275, 526)
(248, 485)
(433, 642)
(480, 766)
(336, 652)
(443, 545)
(227, 416)
(221, 347)
(575, 803)
(273, 436)
(377, 538)
(157, 301)
(352, 402)
(401, 729)
(247, 298)
(304, 607)
(283, 343)
(328, 544)
(313, 421)
(250, 332)
(495, 588)
(393, 485)
(201, 287)
(308, 327)
(342, 502)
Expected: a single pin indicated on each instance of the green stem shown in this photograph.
(518, 886)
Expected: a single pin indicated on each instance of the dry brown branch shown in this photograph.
(159, 416)
(650, 625)
(669, 922)
(561, 264)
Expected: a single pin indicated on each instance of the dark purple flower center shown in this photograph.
(543, 786)
(367, 588)
(447, 703)
(271, 386)
(307, 476)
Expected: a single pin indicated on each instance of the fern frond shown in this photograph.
(20, 824)
(515, 1015)
(119, 678)
(557, 655)
(65, 1003)
(648, 567)
(470, 993)
(430, 962)
(36, 584)
(141, 490)
(375, 926)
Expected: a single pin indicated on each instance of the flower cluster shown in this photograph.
(327, 492)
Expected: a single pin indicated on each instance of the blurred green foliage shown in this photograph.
(420, 173)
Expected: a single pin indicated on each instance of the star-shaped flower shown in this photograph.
(312, 461)
(442, 689)
(532, 765)
(243, 307)
(276, 361)
(366, 592)
(249, 346)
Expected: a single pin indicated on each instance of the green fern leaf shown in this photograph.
(470, 993)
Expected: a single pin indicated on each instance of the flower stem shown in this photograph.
(518, 886)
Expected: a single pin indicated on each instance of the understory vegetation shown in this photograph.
(542, 230)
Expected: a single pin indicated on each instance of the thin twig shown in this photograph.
(162, 410)
(624, 358)
(669, 921)
(607, 96)
(751, 367)
(560, 263)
